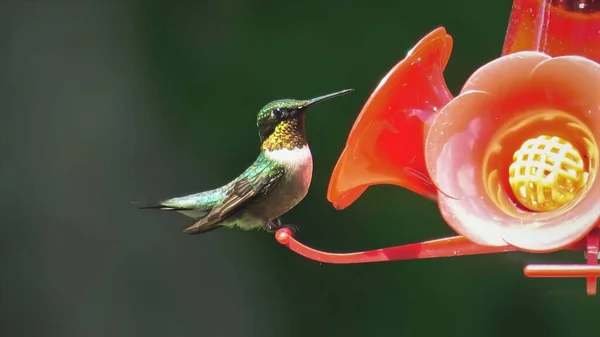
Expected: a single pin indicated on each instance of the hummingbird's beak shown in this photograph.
(326, 97)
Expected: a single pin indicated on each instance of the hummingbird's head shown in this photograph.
(281, 123)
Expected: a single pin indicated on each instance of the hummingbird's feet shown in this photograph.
(293, 228)
(275, 225)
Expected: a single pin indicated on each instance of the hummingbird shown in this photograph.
(275, 183)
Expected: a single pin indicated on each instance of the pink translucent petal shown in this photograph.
(453, 155)
(503, 73)
(475, 226)
(572, 83)
(553, 234)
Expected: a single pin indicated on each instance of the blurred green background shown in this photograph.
(107, 102)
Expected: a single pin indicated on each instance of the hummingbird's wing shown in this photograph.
(242, 192)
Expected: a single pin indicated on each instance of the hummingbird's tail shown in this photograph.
(196, 206)
(162, 208)
(158, 207)
(188, 211)
(178, 205)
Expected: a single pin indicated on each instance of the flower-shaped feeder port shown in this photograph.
(512, 160)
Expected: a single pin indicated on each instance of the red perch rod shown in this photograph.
(455, 246)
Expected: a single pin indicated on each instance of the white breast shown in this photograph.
(291, 159)
(298, 163)
(298, 175)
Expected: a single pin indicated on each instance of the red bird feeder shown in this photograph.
(512, 160)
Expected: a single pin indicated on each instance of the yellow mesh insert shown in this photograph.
(546, 173)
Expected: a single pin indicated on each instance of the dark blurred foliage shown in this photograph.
(107, 102)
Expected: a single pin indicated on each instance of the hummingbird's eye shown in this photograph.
(277, 113)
